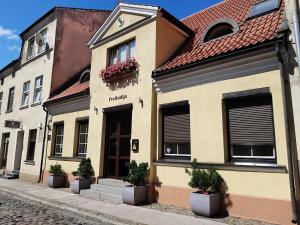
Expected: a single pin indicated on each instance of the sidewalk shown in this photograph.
(117, 214)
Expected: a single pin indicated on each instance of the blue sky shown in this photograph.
(16, 15)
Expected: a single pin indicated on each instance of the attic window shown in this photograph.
(264, 6)
(85, 76)
(218, 30)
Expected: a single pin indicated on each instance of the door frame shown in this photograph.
(2, 150)
(108, 112)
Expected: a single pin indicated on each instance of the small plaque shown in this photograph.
(12, 124)
(135, 145)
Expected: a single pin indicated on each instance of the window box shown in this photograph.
(119, 70)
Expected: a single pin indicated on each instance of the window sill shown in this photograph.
(267, 168)
(36, 104)
(24, 107)
(29, 162)
(63, 158)
(34, 57)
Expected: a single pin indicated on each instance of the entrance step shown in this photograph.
(107, 190)
(2, 172)
(10, 175)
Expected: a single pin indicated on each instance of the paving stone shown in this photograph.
(17, 211)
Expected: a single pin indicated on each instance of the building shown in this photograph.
(212, 87)
(43, 67)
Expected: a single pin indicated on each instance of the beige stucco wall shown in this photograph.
(207, 135)
(69, 139)
(100, 93)
(30, 117)
(129, 19)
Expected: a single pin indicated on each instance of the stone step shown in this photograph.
(9, 177)
(111, 198)
(15, 172)
(112, 182)
(107, 189)
(13, 175)
(91, 194)
(2, 172)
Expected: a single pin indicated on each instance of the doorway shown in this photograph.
(4, 150)
(19, 150)
(117, 148)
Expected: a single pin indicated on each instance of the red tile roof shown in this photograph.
(252, 31)
(76, 88)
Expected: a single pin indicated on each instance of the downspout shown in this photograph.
(43, 148)
(291, 166)
(295, 24)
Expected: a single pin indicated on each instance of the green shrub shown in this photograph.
(85, 169)
(207, 181)
(137, 174)
(56, 170)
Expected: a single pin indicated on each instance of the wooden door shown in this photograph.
(118, 143)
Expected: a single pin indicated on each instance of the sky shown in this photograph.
(17, 15)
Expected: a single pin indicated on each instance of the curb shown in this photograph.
(88, 214)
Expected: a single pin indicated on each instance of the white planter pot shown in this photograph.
(80, 184)
(56, 181)
(134, 195)
(205, 205)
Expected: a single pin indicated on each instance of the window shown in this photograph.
(83, 128)
(59, 137)
(85, 76)
(30, 49)
(219, 30)
(264, 6)
(2, 81)
(176, 132)
(122, 53)
(251, 129)
(10, 101)
(1, 97)
(31, 145)
(37, 97)
(25, 96)
(42, 46)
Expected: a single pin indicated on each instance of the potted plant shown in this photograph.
(84, 172)
(56, 178)
(137, 176)
(210, 184)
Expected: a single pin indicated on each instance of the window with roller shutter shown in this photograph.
(251, 129)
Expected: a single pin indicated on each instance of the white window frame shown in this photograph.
(177, 150)
(25, 93)
(252, 155)
(60, 145)
(79, 134)
(118, 52)
(31, 48)
(42, 48)
(37, 88)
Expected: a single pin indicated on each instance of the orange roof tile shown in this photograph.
(251, 31)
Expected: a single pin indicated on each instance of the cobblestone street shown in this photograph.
(14, 210)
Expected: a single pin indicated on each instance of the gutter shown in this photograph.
(43, 147)
(288, 122)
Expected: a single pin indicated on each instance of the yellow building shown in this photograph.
(211, 87)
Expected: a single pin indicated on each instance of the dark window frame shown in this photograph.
(1, 101)
(217, 31)
(174, 109)
(31, 152)
(250, 159)
(80, 123)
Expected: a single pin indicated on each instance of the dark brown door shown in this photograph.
(118, 143)
(5, 150)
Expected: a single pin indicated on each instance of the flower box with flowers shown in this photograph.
(118, 71)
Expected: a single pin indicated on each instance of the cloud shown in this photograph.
(7, 33)
(13, 48)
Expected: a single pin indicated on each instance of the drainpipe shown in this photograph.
(287, 99)
(295, 24)
(43, 148)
